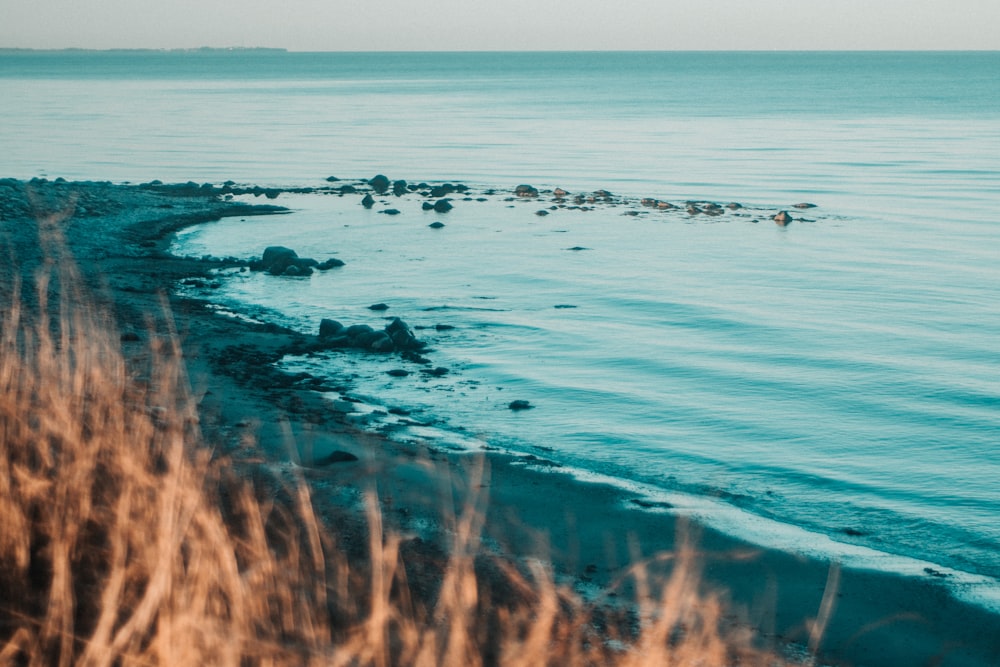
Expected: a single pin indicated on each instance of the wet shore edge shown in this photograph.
(119, 236)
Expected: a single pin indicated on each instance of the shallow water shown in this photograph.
(834, 375)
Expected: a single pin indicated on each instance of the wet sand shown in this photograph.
(119, 236)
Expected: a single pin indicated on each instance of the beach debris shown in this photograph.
(651, 504)
(520, 404)
(783, 218)
(526, 191)
(379, 183)
(336, 456)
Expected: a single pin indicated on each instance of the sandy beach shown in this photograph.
(590, 534)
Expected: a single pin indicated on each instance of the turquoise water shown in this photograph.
(837, 376)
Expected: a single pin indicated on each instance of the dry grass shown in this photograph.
(123, 541)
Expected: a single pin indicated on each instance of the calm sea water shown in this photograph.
(833, 385)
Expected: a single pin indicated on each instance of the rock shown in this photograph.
(357, 331)
(442, 190)
(782, 219)
(436, 372)
(520, 405)
(805, 205)
(542, 213)
(444, 327)
(559, 193)
(733, 206)
(399, 188)
(335, 457)
(526, 191)
(693, 210)
(368, 201)
(443, 205)
(331, 263)
(378, 306)
(277, 253)
(427, 206)
(347, 189)
(664, 205)
(379, 183)
(649, 201)
(332, 179)
(390, 211)
(329, 328)
(436, 225)
(380, 341)
(398, 372)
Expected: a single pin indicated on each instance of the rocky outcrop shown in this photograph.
(526, 191)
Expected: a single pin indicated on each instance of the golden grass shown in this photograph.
(124, 541)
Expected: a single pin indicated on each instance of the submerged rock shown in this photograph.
(526, 191)
(368, 201)
(520, 405)
(782, 219)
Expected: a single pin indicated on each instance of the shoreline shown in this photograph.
(587, 531)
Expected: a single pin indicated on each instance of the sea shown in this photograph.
(830, 387)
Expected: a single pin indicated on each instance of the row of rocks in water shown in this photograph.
(383, 185)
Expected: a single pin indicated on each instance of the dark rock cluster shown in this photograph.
(281, 261)
(395, 337)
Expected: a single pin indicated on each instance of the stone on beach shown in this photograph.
(520, 404)
(782, 219)
(526, 191)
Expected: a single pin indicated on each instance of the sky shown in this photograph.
(462, 25)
